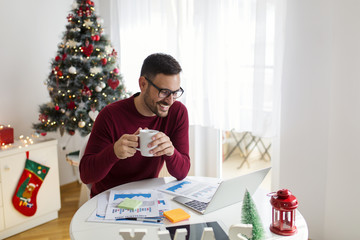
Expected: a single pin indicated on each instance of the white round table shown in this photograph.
(81, 229)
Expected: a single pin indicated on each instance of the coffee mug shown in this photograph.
(145, 136)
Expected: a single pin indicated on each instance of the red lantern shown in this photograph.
(284, 205)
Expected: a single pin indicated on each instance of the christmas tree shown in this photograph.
(251, 216)
(84, 75)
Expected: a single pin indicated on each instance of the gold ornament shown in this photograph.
(81, 124)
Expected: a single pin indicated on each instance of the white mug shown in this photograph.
(145, 136)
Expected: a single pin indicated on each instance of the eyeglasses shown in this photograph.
(164, 92)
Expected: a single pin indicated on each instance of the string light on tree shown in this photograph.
(84, 72)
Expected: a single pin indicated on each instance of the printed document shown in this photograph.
(155, 203)
(201, 191)
(149, 207)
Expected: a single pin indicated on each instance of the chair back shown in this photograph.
(81, 154)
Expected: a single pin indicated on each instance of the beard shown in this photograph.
(160, 108)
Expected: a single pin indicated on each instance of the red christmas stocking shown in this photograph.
(24, 199)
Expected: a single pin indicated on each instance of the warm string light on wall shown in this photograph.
(22, 142)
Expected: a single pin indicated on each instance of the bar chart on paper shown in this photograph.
(178, 187)
(200, 191)
(138, 210)
(132, 195)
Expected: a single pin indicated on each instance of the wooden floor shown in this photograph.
(59, 228)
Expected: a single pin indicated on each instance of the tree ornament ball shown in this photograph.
(57, 108)
(98, 89)
(102, 85)
(81, 124)
(72, 70)
(104, 61)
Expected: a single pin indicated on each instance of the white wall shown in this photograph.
(31, 31)
(320, 120)
(343, 168)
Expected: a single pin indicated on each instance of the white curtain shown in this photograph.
(229, 51)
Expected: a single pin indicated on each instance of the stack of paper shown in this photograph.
(153, 202)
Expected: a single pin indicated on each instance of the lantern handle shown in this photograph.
(271, 194)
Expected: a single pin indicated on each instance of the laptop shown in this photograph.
(230, 191)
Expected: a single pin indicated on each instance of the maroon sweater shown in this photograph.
(100, 166)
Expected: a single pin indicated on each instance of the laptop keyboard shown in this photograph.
(200, 206)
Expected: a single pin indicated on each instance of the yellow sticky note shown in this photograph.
(176, 215)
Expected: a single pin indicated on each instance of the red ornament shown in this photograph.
(104, 61)
(95, 38)
(284, 205)
(59, 73)
(116, 70)
(71, 105)
(57, 68)
(57, 58)
(43, 134)
(88, 12)
(43, 118)
(70, 17)
(88, 49)
(86, 91)
(113, 83)
(80, 12)
(64, 56)
(71, 132)
(57, 108)
(114, 53)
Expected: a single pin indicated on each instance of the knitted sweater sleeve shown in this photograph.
(99, 155)
(178, 164)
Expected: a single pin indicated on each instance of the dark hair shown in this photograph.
(160, 63)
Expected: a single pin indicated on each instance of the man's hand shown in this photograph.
(165, 146)
(125, 146)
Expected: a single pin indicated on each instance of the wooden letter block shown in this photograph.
(138, 234)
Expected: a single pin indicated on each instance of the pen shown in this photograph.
(149, 220)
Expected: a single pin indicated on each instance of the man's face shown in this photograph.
(157, 105)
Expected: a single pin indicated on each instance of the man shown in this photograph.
(110, 157)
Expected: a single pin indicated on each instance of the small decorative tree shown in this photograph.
(84, 75)
(251, 216)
